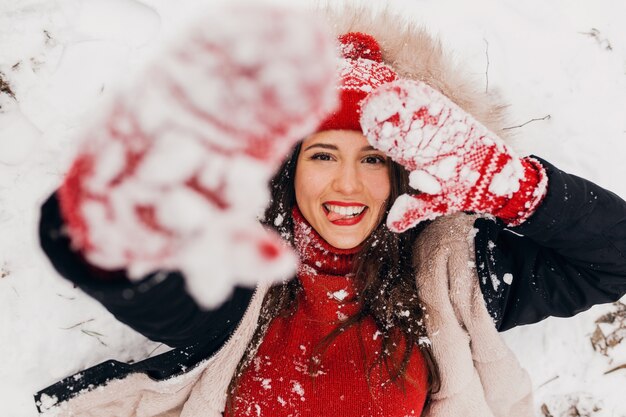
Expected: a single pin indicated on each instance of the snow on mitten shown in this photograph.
(456, 163)
(175, 172)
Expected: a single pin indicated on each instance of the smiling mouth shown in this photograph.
(340, 214)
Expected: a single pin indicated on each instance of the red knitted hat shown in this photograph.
(360, 71)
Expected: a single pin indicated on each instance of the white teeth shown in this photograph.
(345, 211)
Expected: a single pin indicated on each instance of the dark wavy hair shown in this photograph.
(385, 282)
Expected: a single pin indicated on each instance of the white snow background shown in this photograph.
(62, 58)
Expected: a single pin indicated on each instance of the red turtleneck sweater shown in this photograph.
(278, 382)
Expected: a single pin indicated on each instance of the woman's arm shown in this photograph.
(564, 244)
(568, 256)
(158, 306)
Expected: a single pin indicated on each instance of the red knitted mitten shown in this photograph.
(456, 163)
(176, 171)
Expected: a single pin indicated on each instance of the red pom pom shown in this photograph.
(355, 45)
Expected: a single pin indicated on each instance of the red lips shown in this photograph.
(344, 221)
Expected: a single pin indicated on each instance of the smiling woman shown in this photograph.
(355, 284)
(342, 186)
(373, 322)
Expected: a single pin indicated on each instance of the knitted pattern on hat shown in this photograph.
(289, 377)
(361, 70)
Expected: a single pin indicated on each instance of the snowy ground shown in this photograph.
(60, 58)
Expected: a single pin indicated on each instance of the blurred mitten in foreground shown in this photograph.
(456, 163)
(176, 170)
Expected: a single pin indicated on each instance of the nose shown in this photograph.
(348, 179)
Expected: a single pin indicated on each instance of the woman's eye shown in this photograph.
(322, 157)
(375, 159)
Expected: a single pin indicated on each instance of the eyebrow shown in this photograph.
(334, 148)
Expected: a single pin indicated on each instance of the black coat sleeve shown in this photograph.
(568, 256)
(157, 306)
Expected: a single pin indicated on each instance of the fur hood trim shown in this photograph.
(415, 54)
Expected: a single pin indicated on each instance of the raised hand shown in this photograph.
(174, 173)
(456, 163)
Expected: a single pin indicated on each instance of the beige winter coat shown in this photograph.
(480, 375)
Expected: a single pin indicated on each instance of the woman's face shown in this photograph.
(342, 185)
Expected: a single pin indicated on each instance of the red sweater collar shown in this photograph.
(317, 254)
(325, 272)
